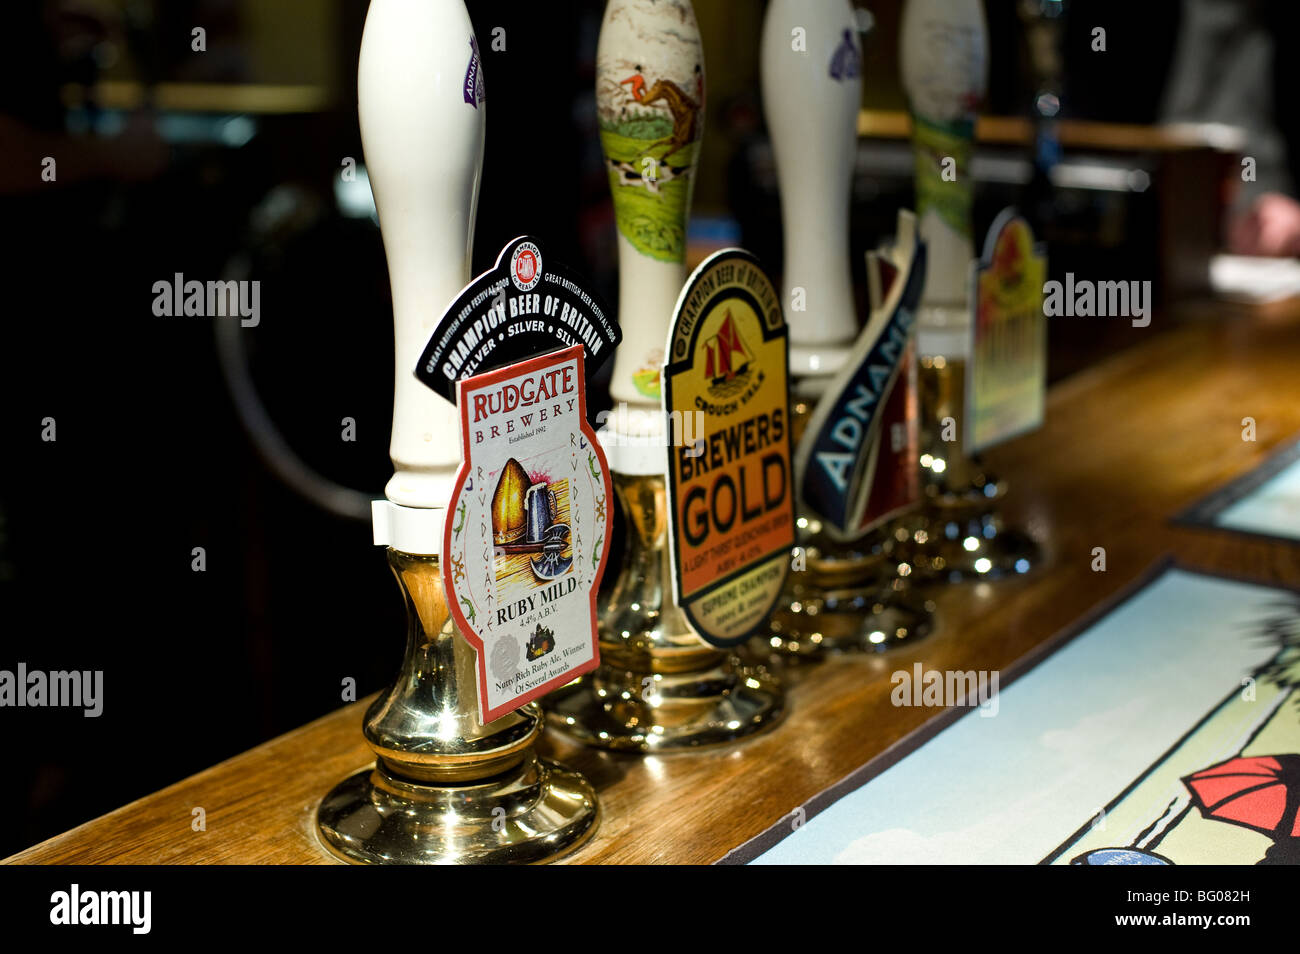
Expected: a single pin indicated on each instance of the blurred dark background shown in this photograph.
(228, 162)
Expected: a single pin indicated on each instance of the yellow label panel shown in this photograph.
(730, 477)
(1007, 376)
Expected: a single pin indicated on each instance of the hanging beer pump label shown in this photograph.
(726, 396)
(526, 304)
(856, 462)
(528, 528)
(1006, 374)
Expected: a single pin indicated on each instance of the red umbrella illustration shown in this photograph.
(1260, 792)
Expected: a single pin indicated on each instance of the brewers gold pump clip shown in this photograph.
(660, 686)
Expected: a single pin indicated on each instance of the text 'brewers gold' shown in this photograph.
(726, 399)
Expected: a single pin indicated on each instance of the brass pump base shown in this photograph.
(529, 815)
(957, 534)
(447, 788)
(868, 620)
(957, 546)
(850, 598)
(659, 687)
(629, 710)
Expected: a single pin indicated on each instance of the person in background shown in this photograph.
(1227, 69)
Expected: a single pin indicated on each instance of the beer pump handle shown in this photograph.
(420, 101)
(811, 70)
(944, 59)
(650, 105)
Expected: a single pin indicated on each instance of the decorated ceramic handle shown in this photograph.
(420, 99)
(944, 51)
(650, 104)
(812, 89)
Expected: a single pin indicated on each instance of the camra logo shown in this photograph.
(526, 266)
(73, 907)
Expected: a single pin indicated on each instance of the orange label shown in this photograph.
(726, 396)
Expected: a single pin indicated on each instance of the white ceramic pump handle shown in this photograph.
(419, 92)
(650, 105)
(944, 58)
(811, 68)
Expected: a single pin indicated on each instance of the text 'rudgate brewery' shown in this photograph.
(529, 392)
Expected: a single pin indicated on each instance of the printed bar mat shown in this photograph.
(1262, 503)
(1162, 729)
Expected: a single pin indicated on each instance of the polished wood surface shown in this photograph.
(1128, 444)
(261, 98)
(1073, 133)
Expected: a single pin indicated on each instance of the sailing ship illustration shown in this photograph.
(725, 354)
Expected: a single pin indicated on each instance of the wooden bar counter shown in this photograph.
(1127, 445)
